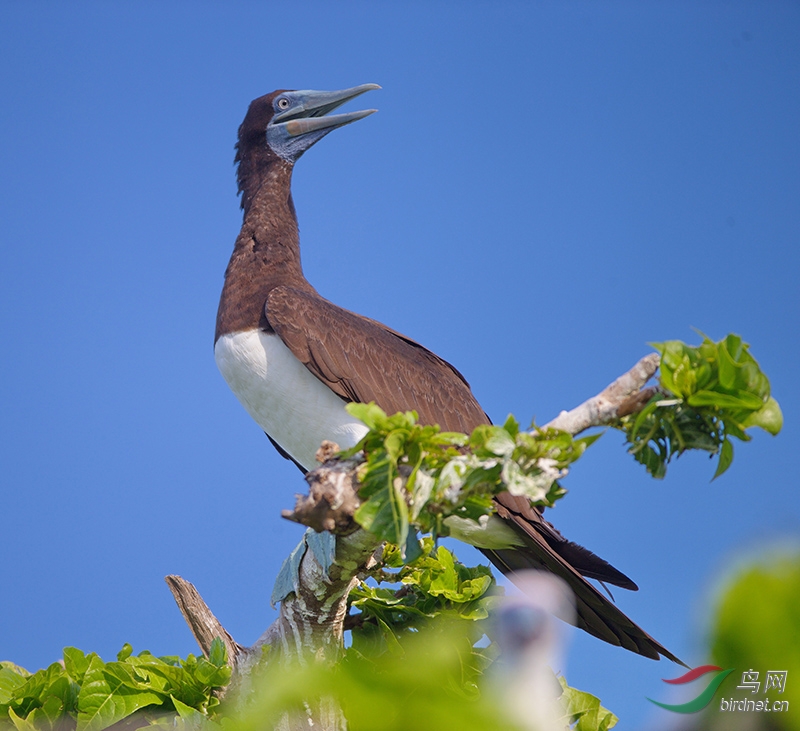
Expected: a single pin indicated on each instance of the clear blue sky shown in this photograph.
(547, 188)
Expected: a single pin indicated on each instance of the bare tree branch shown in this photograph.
(201, 620)
(624, 396)
(333, 494)
(310, 626)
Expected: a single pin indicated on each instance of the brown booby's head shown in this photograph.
(281, 126)
(286, 123)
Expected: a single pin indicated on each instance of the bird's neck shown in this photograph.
(269, 227)
(266, 253)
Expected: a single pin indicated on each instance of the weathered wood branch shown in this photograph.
(332, 494)
(311, 620)
(626, 395)
(201, 620)
(310, 625)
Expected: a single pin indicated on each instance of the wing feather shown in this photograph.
(362, 360)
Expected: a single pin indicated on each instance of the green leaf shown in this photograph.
(371, 414)
(739, 400)
(768, 417)
(585, 710)
(211, 675)
(394, 443)
(49, 714)
(728, 350)
(721, 393)
(511, 425)
(386, 515)
(9, 682)
(76, 663)
(378, 473)
(169, 659)
(66, 692)
(18, 669)
(125, 652)
(194, 717)
(491, 440)
(390, 640)
(168, 679)
(128, 675)
(35, 689)
(725, 458)
(755, 622)
(422, 489)
(21, 724)
(148, 671)
(103, 701)
(217, 654)
(588, 440)
(500, 442)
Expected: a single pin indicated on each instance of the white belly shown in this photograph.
(286, 400)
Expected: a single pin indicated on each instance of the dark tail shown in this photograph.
(545, 548)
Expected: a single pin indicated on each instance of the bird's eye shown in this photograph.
(283, 103)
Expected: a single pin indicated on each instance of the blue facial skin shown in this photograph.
(300, 122)
(288, 146)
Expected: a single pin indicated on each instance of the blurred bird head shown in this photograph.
(531, 642)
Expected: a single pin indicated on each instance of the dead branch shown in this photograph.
(332, 496)
(201, 620)
(626, 395)
(310, 625)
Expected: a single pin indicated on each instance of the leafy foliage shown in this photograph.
(717, 392)
(419, 683)
(441, 612)
(416, 659)
(413, 663)
(88, 694)
(417, 476)
(435, 591)
(585, 710)
(415, 686)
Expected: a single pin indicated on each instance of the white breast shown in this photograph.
(286, 400)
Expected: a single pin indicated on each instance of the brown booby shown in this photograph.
(294, 359)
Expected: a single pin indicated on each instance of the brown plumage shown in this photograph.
(362, 360)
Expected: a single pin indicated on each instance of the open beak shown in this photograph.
(307, 120)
